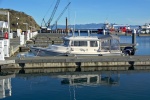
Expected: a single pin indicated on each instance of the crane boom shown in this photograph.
(63, 11)
(43, 21)
(53, 13)
(61, 14)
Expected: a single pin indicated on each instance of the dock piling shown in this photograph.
(134, 37)
(88, 33)
(6, 47)
(2, 50)
(22, 41)
(79, 32)
(103, 31)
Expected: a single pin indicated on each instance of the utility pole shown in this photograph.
(8, 22)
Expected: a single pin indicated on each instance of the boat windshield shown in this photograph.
(66, 42)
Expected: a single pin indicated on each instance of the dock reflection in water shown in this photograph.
(5, 85)
(69, 84)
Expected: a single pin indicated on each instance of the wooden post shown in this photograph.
(66, 26)
(56, 25)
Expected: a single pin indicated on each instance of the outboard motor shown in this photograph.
(129, 51)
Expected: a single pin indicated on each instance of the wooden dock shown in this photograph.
(112, 62)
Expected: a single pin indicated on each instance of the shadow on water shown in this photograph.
(78, 69)
(131, 65)
(22, 71)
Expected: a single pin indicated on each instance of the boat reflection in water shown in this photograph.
(74, 76)
(87, 79)
(90, 79)
(5, 85)
(55, 82)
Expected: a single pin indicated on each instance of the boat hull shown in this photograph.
(45, 52)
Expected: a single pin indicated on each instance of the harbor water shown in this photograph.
(128, 85)
(71, 84)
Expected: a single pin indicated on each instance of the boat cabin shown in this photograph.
(92, 44)
(83, 46)
(109, 42)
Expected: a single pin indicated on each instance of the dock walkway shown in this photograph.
(81, 61)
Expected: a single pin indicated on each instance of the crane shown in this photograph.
(42, 23)
(53, 13)
(61, 14)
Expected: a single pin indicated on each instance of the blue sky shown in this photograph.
(132, 12)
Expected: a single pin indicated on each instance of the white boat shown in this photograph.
(146, 26)
(82, 46)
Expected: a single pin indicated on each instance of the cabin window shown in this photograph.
(93, 44)
(105, 45)
(79, 43)
(66, 43)
(79, 80)
(115, 44)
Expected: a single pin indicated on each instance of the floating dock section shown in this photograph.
(68, 62)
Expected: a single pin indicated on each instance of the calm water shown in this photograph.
(128, 85)
(143, 44)
(66, 84)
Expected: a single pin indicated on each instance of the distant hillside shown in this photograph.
(23, 18)
(92, 26)
(84, 26)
